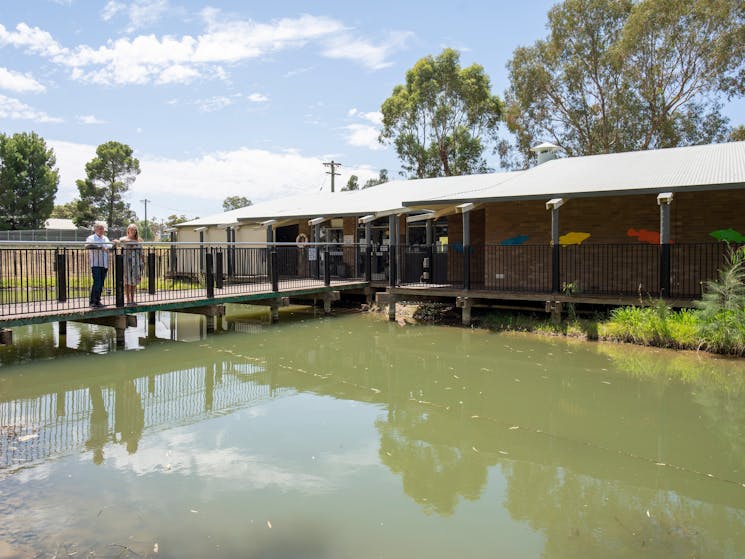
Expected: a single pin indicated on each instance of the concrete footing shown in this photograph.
(555, 308)
(465, 304)
(212, 313)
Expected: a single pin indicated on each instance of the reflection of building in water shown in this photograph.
(34, 428)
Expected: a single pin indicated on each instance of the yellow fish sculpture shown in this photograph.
(573, 238)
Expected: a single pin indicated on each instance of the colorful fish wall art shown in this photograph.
(645, 236)
(573, 238)
(515, 241)
(728, 235)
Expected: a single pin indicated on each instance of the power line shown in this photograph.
(333, 164)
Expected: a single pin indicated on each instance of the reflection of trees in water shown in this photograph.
(434, 472)
(582, 516)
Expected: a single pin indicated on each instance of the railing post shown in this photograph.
(326, 266)
(209, 275)
(61, 264)
(368, 261)
(119, 278)
(274, 268)
(151, 272)
(218, 270)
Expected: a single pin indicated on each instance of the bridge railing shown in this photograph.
(47, 277)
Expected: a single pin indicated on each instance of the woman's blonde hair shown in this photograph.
(137, 231)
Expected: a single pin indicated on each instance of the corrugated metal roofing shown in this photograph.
(382, 198)
(674, 169)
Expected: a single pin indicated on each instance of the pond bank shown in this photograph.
(655, 325)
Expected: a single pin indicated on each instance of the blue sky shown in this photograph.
(234, 97)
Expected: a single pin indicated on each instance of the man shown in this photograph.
(98, 246)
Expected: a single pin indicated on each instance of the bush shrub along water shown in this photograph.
(716, 325)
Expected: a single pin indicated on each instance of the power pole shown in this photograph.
(146, 201)
(333, 164)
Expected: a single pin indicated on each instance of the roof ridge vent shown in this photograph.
(545, 152)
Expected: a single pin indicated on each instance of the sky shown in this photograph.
(240, 98)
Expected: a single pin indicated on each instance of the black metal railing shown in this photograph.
(678, 270)
(47, 278)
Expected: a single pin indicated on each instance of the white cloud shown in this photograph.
(90, 119)
(169, 59)
(376, 117)
(215, 103)
(19, 83)
(257, 98)
(112, 8)
(258, 174)
(140, 13)
(32, 39)
(362, 135)
(143, 13)
(347, 46)
(15, 109)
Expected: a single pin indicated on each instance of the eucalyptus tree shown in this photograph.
(442, 118)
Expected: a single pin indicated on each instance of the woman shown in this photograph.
(134, 262)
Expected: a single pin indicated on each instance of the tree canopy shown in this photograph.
(352, 184)
(235, 202)
(382, 177)
(28, 181)
(443, 117)
(618, 75)
(108, 176)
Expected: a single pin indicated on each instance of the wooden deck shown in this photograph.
(19, 314)
(433, 291)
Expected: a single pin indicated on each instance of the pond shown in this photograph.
(353, 437)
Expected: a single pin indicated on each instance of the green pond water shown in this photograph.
(351, 437)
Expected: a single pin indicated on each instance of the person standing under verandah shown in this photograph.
(134, 262)
(98, 246)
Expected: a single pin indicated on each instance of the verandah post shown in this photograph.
(554, 205)
(465, 209)
(663, 200)
(392, 225)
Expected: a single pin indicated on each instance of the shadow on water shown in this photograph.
(604, 449)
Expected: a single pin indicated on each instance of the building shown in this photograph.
(625, 224)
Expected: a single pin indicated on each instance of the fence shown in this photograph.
(65, 235)
(47, 277)
(44, 278)
(677, 270)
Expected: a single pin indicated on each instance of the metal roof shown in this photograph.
(715, 166)
(382, 198)
(706, 167)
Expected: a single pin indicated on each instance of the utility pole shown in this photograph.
(333, 164)
(146, 201)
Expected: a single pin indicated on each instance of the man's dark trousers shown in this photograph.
(99, 276)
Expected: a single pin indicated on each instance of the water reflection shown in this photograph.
(602, 449)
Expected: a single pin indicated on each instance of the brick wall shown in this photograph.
(594, 266)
